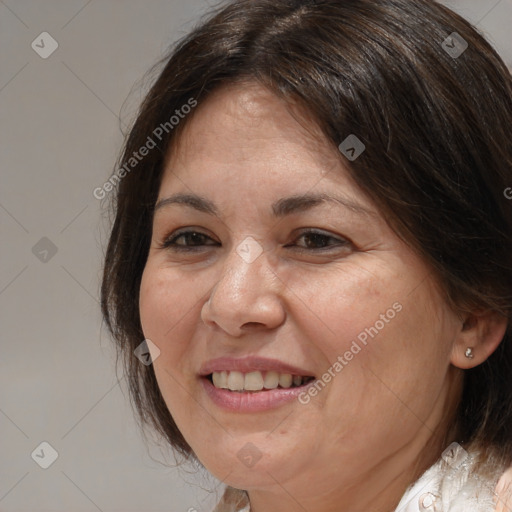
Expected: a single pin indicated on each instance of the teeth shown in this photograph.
(285, 380)
(254, 381)
(271, 380)
(220, 379)
(236, 381)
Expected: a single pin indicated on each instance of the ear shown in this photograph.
(481, 332)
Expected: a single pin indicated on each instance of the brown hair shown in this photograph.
(438, 158)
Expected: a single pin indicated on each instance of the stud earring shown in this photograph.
(469, 353)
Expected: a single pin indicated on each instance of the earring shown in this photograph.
(469, 353)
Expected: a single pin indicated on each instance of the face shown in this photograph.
(300, 339)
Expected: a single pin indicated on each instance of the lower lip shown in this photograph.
(253, 401)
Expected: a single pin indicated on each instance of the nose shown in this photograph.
(246, 297)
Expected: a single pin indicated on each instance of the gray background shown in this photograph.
(59, 135)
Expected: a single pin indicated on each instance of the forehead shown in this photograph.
(245, 146)
(240, 122)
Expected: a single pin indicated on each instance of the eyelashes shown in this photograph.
(196, 236)
(198, 240)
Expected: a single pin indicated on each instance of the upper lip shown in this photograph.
(250, 364)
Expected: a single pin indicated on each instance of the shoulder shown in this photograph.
(455, 483)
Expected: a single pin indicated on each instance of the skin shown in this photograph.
(360, 442)
(503, 492)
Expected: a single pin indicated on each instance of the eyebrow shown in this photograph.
(281, 208)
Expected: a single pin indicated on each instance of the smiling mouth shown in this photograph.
(256, 381)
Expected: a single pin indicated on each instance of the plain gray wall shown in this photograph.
(59, 136)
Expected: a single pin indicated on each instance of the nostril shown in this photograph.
(252, 325)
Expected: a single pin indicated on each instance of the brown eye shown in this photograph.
(191, 239)
(315, 240)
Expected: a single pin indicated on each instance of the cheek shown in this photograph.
(165, 300)
(379, 307)
(382, 344)
(165, 304)
(398, 374)
(340, 305)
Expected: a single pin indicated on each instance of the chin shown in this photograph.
(244, 465)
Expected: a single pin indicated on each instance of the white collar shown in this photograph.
(451, 485)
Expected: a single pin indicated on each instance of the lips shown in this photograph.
(253, 383)
(251, 364)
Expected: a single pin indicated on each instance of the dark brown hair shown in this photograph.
(438, 158)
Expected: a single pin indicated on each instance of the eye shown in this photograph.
(318, 241)
(192, 239)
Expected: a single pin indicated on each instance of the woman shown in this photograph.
(312, 241)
